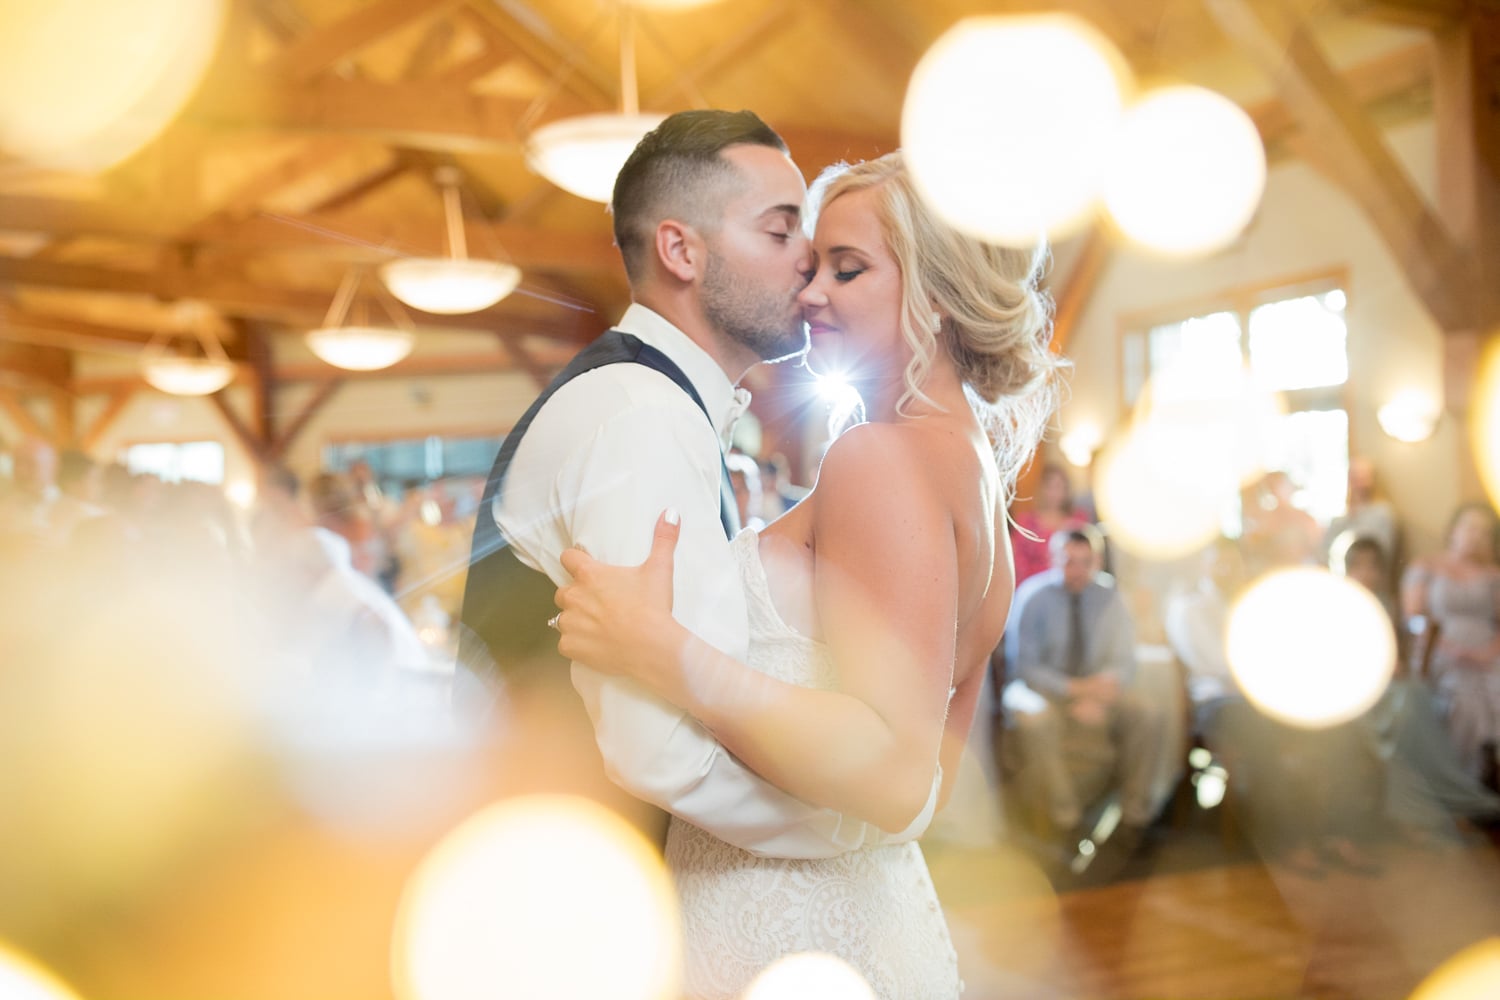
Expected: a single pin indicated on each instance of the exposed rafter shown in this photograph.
(1343, 142)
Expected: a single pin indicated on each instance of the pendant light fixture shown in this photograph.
(583, 154)
(456, 283)
(362, 346)
(196, 371)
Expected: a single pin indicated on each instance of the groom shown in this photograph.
(707, 216)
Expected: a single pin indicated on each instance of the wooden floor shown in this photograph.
(1237, 929)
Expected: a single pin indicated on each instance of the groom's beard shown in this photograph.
(768, 323)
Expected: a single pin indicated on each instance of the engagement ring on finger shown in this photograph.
(552, 622)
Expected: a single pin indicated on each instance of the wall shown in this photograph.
(1305, 225)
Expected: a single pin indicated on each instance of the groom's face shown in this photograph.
(759, 257)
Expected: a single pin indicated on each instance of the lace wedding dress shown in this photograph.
(875, 908)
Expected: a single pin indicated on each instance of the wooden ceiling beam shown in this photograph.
(327, 44)
(532, 247)
(473, 363)
(23, 327)
(1434, 15)
(118, 401)
(422, 115)
(320, 398)
(1340, 140)
(771, 22)
(1371, 83)
(47, 364)
(520, 27)
(532, 314)
(11, 405)
(1071, 300)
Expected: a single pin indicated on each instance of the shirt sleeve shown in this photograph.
(638, 463)
(1033, 653)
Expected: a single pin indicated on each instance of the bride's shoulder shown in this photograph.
(886, 459)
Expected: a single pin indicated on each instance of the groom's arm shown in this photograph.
(609, 493)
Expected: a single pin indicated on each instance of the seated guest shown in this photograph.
(1459, 590)
(1369, 515)
(1074, 725)
(1306, 792)
(1426, 786)
(1033, 527)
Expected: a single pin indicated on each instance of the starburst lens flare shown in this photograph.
(23, 979)
(539, 898)
(1007, 122)
(1484, 416)
(1187, 173)
(807, 975)
(86, 83)
(1472, 974)
(1309, 648)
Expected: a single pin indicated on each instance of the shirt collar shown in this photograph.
(724, 401)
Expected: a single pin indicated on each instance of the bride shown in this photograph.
(874, 603)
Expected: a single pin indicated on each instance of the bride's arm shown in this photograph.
(886, 590)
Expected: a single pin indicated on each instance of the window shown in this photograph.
(421, 459)
(195, 461)
(1293, 341)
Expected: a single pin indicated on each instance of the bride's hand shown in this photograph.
(618, 619)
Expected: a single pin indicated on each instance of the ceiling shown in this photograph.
(313, 141)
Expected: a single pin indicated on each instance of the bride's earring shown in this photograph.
(937, 321)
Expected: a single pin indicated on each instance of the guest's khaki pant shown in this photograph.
(1059, 765)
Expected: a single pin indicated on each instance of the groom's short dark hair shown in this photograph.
(676, 172)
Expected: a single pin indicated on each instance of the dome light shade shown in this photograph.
(584, 154)
(447, 285)
(456, 283)
(197, 373)
(187, 376)
(360, 348)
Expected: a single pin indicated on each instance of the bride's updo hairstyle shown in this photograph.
(978, 301)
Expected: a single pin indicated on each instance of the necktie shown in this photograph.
(1075, 635)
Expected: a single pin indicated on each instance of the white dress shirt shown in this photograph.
(603, 458)
(1196, 623)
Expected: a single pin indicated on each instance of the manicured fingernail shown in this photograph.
(672, 516)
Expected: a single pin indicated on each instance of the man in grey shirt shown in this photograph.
(1074, 725)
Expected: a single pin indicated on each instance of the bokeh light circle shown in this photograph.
(1309, 648)
(86, 83)
(809, 974)
(1007, 121)
(554, 896)
(1156, 499)
(1187, 173)
(1472, 974)
(23, 979)
(1484, 421)
(1218, 415)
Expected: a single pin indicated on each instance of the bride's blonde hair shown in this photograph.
(995, 322)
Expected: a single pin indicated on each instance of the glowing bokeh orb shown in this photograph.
(1079, 444)
(86, 83)
(1007, 122)
(1157, 500)
(1309, 648)
(1187, 173)
(23, 979)
(1484, 422)
(1472, 974)
(1218, 415)
(1410, 416)
(809, 974)
(552, 896)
